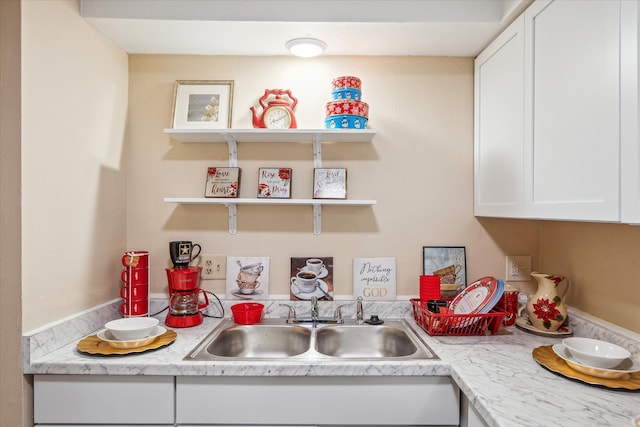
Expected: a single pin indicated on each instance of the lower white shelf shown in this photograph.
(232, 203)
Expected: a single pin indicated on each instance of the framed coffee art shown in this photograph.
(222, 182)
(202, 104)
(311, 277)
(448, 262)
(247, 277)
(274, 183)
(329, 183)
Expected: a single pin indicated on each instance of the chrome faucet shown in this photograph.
(291, 315)
(314, 309)
(359, 310)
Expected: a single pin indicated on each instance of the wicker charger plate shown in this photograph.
(546, 357)
(95, 346)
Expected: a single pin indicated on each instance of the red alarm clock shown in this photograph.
(277, 113)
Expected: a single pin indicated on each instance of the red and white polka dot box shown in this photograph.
(348, 106)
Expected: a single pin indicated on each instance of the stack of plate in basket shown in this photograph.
(479, 297)
(346, 111)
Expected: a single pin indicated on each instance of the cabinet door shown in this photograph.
(337, 401)
(499, 121)
(103, 399)
(630, 111)
(572, 114)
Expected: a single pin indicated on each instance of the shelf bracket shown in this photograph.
(233, 150)
(233, 217)
(317, 151)
(317, 219)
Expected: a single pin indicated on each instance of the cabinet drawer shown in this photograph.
(103, 399)
(317, 400)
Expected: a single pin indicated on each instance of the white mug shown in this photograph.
(315, 264)
(305, 281)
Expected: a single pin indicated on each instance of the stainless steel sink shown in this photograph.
(273, 339)
(364, 342)
(251, 341)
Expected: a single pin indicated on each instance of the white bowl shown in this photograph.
(131, 328)
(596, 353)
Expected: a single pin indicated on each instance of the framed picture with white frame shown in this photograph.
(202, 104)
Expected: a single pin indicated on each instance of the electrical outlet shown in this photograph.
(213, 267)
(518, 268)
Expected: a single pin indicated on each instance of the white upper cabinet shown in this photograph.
(630, 112)
(579, 155)
(499, 121)
(572, 115)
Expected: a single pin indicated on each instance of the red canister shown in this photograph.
(509, 304)
(429, 288)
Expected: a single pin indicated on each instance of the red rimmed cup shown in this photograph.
(136, 259)
(134, 292)
(135, 307)
(135, 276)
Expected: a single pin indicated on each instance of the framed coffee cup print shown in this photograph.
(274, 183)
(202, 104)
(222, 182)
(448, 262)
(329, 183)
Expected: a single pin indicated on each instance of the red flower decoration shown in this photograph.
(547, 311)
(284, 174)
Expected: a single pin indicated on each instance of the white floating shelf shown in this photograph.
(271, 135)
(267, 201)
(234, 136)
(232, 203)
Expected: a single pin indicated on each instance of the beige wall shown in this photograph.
(603, 262)
(419, 168)
(15, 407)
(74, 105)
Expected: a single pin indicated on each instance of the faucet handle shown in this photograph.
(291, 313)
(337, 314)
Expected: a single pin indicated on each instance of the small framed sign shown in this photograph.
(329, 183)
(274, 183)
(222, 182)
(374, 278)
(202, 104)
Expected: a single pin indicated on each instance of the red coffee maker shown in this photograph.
(184, 297)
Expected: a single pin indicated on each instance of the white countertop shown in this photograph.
(497, 373)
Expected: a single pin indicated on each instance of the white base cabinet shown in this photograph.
(103, 399)
(336, 401)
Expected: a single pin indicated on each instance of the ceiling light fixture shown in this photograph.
(306, 47)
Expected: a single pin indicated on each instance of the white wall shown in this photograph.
(74, 106)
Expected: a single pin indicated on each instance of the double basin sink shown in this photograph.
(274, 339)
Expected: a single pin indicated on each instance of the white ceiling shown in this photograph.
(261, 27)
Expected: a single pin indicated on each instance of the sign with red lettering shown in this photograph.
(222, 182)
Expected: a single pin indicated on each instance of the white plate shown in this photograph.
(239, 294)
(524, 324)
(105, 335)
(623, 370)
(476, 297)
(307, 295)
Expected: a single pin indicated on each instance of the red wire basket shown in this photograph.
(456, 324)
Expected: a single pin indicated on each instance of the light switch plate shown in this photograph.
(518, 268)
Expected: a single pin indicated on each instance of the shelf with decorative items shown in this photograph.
(233, 136)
